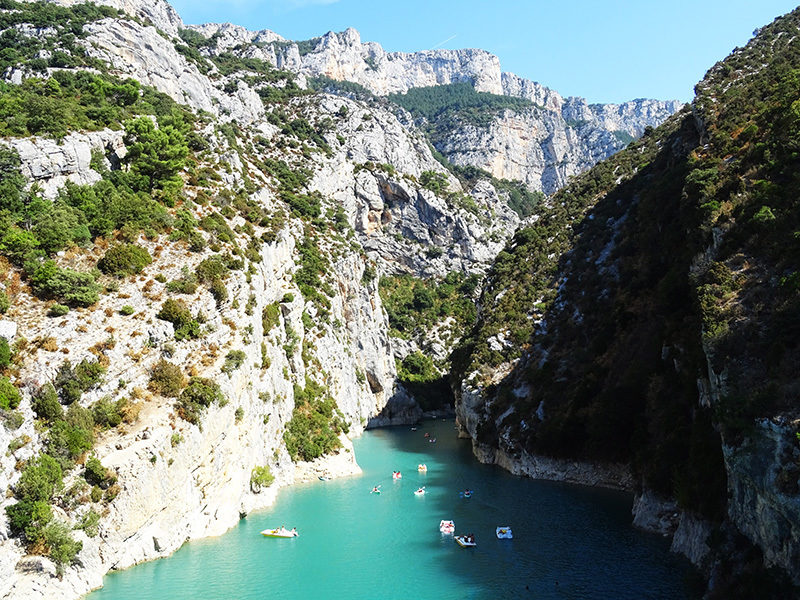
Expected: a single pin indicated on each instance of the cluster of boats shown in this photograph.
(448, 527)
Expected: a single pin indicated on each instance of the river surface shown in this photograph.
(570, 542)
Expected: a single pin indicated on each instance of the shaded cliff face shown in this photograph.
(646, 312)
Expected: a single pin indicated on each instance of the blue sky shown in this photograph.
(608, 51)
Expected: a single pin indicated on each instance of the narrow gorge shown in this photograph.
(224, 254)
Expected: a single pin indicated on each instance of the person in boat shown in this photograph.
(294, 530)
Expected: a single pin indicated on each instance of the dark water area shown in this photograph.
(570, 542)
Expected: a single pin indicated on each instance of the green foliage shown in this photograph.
(338, 87)
(9, 394)
(156, 155)
(75, 100)
(315, 424)
(417, 368)
(108, 413)
(67, 24)
(434, 181)
(70, 287)
(40, 480)
(198, 395)
(5, 353)
(124, 259)
(69, 439)
(238, 414)
(261, 477)
(308, 276)
(127, 310)
(233, 360)
(414, 304)
(63, 548)
(166, 379)
(187, 284)
(58, 310)
(457, 101)
(90, 522)
(96, 474)
(5, 303)
(46, 405)
(72, 383)
(177, 313)
(270, 317)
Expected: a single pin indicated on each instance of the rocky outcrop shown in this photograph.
(763, 486)
(373, 176)
(50, 164)
(142, 53)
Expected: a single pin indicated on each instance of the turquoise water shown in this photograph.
(570, 542)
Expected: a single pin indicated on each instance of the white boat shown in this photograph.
(420, 491)
(504, 533)
(397, 475)
(465, 541)
(447, 526)
(422, 468)
(280, 532)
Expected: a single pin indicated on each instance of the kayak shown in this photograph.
(504, 533)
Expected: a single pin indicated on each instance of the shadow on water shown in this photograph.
(569, 542)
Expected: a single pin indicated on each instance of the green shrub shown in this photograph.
(187, 284)
(40, 480)
(239, 414)
(261, 477)
(166, 379)
(89, 523)
(67, 442)
(63, 547)
(5, 303)
(315, 424)
(46, 405)
(270, 317)
(72, 383)
(126, 310)
(66, 285)
(212, 268)
(434, 181)
(28, 518)
(5, 353)
(233, 360)
(58, 310)
(199, 395)
(125, 259)
(176, 439)
(218, 291)
(96, 474)
(108, 413)
(178, 314)
(9, 394)
(12, 419)
(96, 494)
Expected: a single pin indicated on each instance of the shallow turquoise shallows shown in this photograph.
(569, 541)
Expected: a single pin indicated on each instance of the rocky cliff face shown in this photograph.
(178, 480)
(542, 146)
(642, 315)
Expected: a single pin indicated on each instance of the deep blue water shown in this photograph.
(570, 542)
